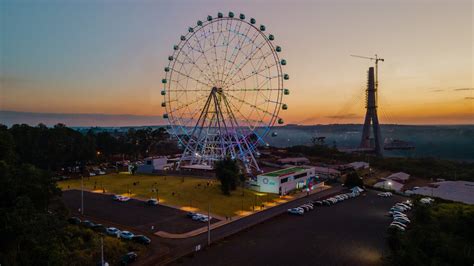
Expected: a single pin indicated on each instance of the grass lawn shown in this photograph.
(193, 194)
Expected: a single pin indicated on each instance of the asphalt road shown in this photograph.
(348, 233)
(133, 213)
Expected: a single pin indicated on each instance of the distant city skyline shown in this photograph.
(107, 58)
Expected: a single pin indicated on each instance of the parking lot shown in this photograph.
(351, 232)
(133, 213)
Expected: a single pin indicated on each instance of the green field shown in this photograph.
(188, 193)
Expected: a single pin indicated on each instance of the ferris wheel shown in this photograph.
(223, 90)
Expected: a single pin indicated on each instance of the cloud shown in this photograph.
(437, 90)
(464, 89)
(469, 98)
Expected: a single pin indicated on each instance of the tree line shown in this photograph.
(53, 148)
(32, 216)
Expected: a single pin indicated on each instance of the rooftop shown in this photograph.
(286, 171)
(462, 191)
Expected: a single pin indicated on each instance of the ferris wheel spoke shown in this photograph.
(249, 104)
(255, 89)
(244, 116)
(232, 73)
(193, 62)
(198, 81)
(226, 41)
(246, 60)
(240, 45)
(253, 74)
(205, 57)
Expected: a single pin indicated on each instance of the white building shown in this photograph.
(461, 191)
(389, 185)
(399, 177)
(153, 164)
(285, 180)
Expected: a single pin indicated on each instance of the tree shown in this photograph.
(353, 180)
(229, 174)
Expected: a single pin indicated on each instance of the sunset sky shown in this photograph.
(107, 57)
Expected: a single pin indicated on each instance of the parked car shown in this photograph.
(126, 235)
(123, 198)
(403, 205)
(426, 200)
(305, 208)
(190, 214)
(129, 258)
(141, 239)
(116, 197)
(399, 214)
(205, 218)
(318, 202)
(74, 220)
(296, 211)
(152, 202)
(99, 228)
(112, 231)
(401, 220)
(401, 228)
(399, 224)
(88, 224)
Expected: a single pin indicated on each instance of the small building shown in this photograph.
(294, 160)
(400, 177)
(461, 191)
(389, 185)
(152, 164)
(285, 180)
(326, 172)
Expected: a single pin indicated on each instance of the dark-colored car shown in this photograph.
(141, 239)
(190, 214)
(129, 258)
(74, 220)
(99, 228)
(152, 202)
(88, 223)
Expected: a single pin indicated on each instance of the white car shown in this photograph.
(197, 217)
(399, 224)
(401, 220)
(426, 200)
(123, 199)
(403, 205)
(205, 218)
(112, 231)
(400, 215)
(126, 235)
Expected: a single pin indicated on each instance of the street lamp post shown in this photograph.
(102, 250)
(209, 225)
(82, 195)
